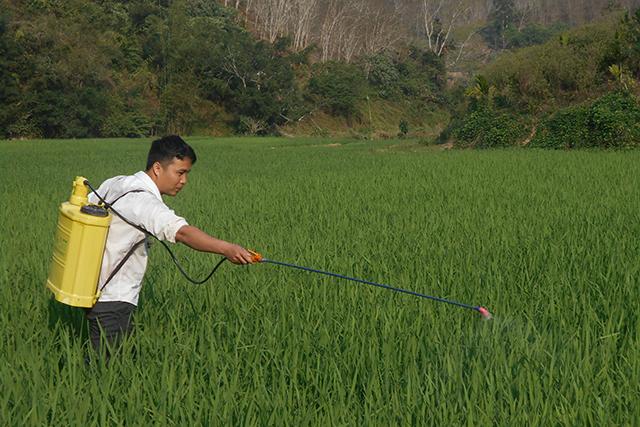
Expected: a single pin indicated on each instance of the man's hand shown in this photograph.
(201, 241)
(238, 255)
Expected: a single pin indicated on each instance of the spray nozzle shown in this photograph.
(485, 313)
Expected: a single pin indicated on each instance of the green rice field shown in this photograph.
(548, 241)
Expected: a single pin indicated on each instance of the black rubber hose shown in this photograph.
(171, 254)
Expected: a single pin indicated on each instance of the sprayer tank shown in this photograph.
(79, 246)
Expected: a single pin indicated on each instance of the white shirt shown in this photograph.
(144, 208)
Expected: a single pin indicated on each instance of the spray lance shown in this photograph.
(85, 225)
(258, 258)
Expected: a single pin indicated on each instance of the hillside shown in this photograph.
(578, 89)
(82, 68)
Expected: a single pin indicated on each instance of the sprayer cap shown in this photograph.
(94, 210)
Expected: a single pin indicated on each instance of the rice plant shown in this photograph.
(548, 241)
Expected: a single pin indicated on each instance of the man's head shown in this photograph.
(169, 162)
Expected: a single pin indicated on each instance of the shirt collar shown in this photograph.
(148, 183)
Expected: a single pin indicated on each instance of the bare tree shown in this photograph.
(351, 31)
(355, 27)
(272, 17)
(383, 31)
(438, 22)
(331, 29)
(344, 29)
(233, 3)
(526, 11)
(303, 14)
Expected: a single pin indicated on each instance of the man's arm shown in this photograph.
(201, 241)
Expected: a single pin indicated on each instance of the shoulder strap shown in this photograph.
(133, 248)
(121, 263)
(124, 194)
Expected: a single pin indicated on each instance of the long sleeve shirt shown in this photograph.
(145, 209)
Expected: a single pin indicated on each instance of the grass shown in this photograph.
(546, 240)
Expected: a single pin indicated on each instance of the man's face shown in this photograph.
(172, 177)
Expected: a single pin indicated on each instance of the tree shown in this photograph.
(626, 47)
(438, 22)
(338, 88)
(272, 17)
(9, 89)
(501, 18)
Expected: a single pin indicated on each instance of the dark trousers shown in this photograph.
(110, 322)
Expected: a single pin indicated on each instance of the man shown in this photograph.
(138, 198)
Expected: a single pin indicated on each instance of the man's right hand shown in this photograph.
(238, 255)
(201, 241)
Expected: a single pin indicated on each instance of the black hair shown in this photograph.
(164, 150)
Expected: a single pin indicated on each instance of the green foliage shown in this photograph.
(135, 68)
(423, 74)
(83, 68)
(414, 74)
(554, 84)
(65, 65)
(260, 82)
(615, 120)
(404, 127)
(611, 121)
(484, 125)
(481, 94)
(540, 78)
(383, 75)
(485, 128)
(624, 50)
(131, 125)
(531, 35)
(61, 71)
(501, 20)
(622, 78)
(566, 128)
(338, 87)
(9, 87)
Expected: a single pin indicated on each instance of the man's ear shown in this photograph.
(156, 168)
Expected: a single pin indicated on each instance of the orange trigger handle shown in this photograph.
(256, 257)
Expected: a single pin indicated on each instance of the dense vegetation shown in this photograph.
(542, 238)
(83, 68)
(580, 89)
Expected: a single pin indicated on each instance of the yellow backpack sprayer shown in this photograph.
(80, 242)
(79, 247)
(81, 235)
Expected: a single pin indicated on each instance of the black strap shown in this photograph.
(122, 261)
(133, 248)
(108, 205)
(173, 257)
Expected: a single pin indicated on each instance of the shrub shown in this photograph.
(486, 128)
(615, 120)
(559, 72)
(129, 124)
(566, 128)
(338, 87)
(532, 35)
(383, 75)
(611, 121)
(404, 127)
